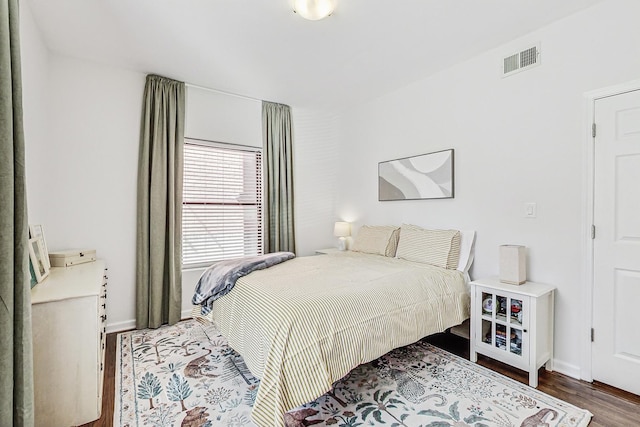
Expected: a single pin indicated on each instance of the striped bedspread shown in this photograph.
(304, 324)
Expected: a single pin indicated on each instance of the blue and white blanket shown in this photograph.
(220, 278)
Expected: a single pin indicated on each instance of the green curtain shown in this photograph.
(159, 236)
(16, 360)
(276, 137)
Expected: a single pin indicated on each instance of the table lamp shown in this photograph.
(342, 230)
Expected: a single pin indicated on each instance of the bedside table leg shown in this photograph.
(533, 378)
(549, 365)
(473, 355)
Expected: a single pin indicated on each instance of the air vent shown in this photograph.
(521, 61)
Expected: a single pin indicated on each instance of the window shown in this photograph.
(222, 203)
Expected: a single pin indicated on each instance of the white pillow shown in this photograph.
(467, 245)
(435, 247)
(379, 240)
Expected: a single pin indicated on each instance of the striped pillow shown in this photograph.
(379, 240)
(392, 247)
(435, 247)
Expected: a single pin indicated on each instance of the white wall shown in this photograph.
(516, 140)
(218, 117)
(316, 165)
(35, 89)
(82, 127)
(88, 186)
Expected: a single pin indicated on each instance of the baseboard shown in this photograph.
(567, 369)
(128, 325)
(125, 325)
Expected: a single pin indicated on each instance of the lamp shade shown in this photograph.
(342, 229)
(314, 10)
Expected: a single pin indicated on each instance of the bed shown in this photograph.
(305, 323)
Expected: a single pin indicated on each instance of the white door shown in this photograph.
(616, 293)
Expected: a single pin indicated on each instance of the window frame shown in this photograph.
(260, 205)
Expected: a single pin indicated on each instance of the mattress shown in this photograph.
(306, 323)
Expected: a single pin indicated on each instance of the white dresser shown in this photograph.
(69, 335)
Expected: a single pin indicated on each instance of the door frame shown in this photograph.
(586, 372)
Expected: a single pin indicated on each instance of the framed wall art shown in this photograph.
(426, 176)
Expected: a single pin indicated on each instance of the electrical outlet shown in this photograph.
(530, 210)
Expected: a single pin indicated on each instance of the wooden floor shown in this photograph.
(610, 407)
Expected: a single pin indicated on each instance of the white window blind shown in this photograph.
(222, 203)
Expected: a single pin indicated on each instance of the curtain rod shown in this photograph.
(222, 92)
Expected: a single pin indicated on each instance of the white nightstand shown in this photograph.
(328, 251)
(513, 324)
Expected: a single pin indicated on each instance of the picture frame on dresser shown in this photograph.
(37, 259)
(35, 231)
(32, 275)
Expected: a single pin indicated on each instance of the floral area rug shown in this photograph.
(187, 375)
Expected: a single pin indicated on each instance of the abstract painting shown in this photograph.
(427, 176)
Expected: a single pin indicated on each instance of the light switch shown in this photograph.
(530, 210)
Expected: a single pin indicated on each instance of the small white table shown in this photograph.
(513, 324)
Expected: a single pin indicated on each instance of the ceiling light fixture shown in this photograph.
(314, 10)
